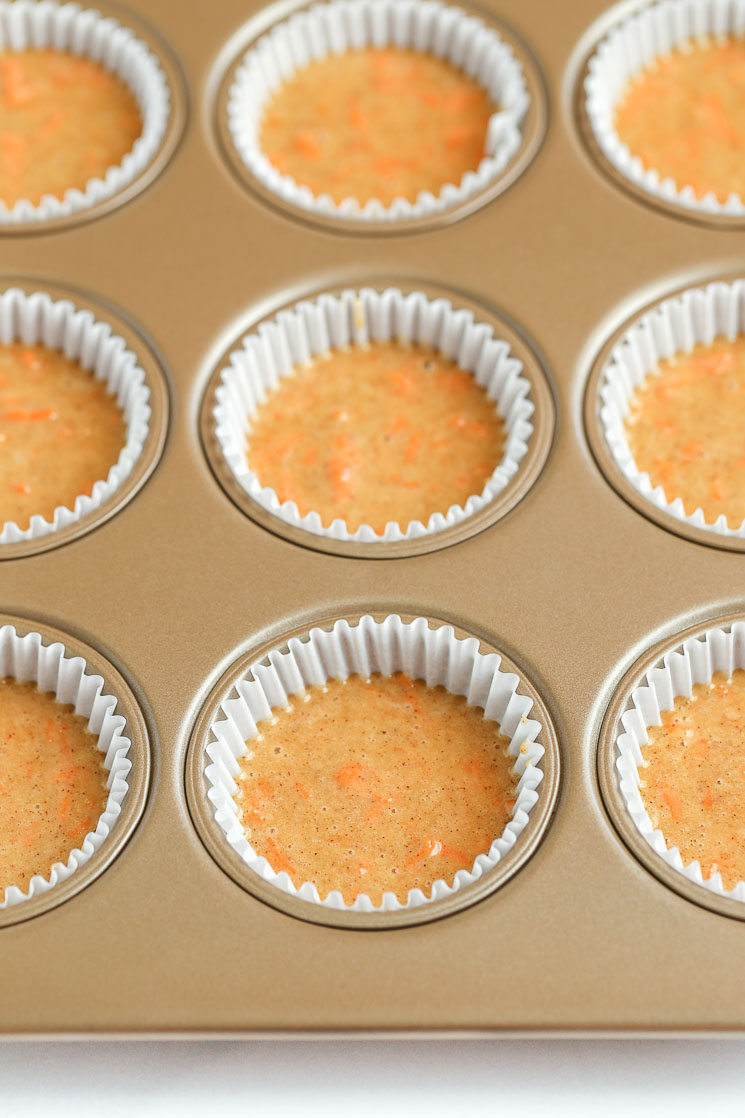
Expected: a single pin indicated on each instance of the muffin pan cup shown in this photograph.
(573, 586)
(128, 49)
(263, 682)
(478, 338)
(76, 674)
(632, 44)
(274, 49)
(667, 671)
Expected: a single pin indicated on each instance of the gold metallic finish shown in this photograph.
(138, 779)
(543, 421)
(533, 129)
(214, 838)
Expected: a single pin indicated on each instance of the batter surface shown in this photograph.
(685, 117)
(60, 432)
(375, 785)
(385, 432)
(52, 782)
(380, 124)
(694, 777)
(685, 428)
(63, 121)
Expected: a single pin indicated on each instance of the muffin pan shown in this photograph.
(176, 593)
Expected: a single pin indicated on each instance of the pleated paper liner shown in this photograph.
(108, 347)
(487, 51)
(479, 342)
(263, 681)
(670, 669)
(623, 53)
(666, 327)
(77, 674)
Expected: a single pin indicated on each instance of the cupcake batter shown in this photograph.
(60, 431)
(64, 120)
(376, 434)
(52, 782)
(694, 777)
(685, 429)
(375, 785)
(383, 124)
(684, 116)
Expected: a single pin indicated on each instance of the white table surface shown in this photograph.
(553, 1078)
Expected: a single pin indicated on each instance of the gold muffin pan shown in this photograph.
(185, 589)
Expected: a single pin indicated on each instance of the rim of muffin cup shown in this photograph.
(622, 54)
(89, 33)
(78, 674)
(83, 333)
(479, 342)
(666, 671)
(674, 324)
(425, 648)
(480, 50)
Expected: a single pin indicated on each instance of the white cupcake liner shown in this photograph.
(674, 326)
(635, 44)
(695, 661)
(310, 329)
(26, 24)
(26, 658)
(341, 25)
(58, 324)
(435, 655)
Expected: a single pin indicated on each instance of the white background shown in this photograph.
(555, 1078)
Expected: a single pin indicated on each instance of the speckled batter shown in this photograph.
(63, 121)
(60, 432)
(375, 785)
(685, 429)
(380, 124)
(52, 782)
(684, 116)
(694, 777)
(377, 434)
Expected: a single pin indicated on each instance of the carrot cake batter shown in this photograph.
(693, 780)
(61, 430)
(375, 785)
(383, 124)
(375, 434)
(52, 782)
(685, 429)
(64, 120)
(684, 116)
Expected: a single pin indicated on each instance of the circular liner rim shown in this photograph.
(152, 449)
(139, 777)
(533, 129)
(175, 125)
(227, 860)
(508, 498)
(608, 22)
(609, 783)
(601, 451)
